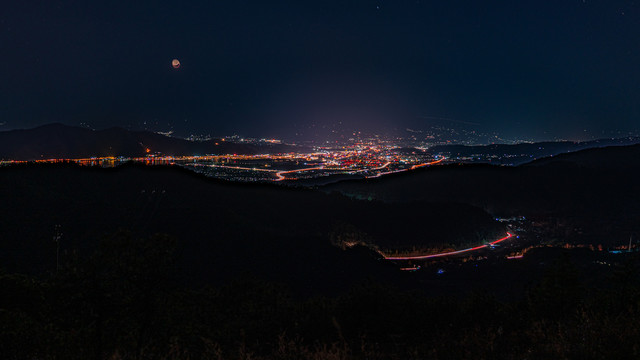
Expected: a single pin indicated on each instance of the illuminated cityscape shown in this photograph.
(359, 159)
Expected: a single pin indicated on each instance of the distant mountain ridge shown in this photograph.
(617, 157)
(522, 153)
(56, 141)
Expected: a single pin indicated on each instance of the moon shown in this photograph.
(175, 63)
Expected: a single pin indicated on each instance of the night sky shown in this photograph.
(276, 68)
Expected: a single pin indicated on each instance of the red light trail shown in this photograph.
(423, 257)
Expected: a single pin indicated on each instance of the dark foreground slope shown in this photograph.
(289, 235)
(134, 295)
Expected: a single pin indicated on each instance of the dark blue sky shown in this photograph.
(274, 68)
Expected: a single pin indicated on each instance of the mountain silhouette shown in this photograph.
(58, 141)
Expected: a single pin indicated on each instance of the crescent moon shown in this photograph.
(175, 63)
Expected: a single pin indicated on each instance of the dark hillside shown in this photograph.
(588, 189)
(224, 228)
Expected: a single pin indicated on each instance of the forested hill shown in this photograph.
(595, 189)
(608, 175)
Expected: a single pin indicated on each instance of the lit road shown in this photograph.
(240, 168)
(402, 170)
(423, 257)
(383, 166)
(427, 164)
(280, 174)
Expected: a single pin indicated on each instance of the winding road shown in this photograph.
(423, 257)
(280, 174)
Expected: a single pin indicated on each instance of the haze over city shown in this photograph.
(298, 70)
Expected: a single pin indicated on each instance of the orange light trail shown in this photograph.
(425, 164)
(402, 170)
